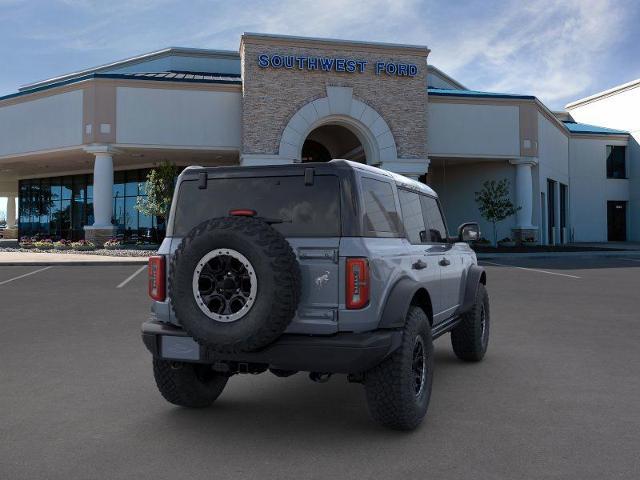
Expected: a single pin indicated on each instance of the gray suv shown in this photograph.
(327, 268)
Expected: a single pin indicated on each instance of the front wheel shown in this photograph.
(190, 385)
(398, 390)
(470, 338)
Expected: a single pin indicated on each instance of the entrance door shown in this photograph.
(551, 211)
(563, 212)
(617, 221)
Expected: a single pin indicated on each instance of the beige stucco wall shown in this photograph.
(54, 121)
(272, 96)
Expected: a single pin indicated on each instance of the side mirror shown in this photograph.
(468, 232)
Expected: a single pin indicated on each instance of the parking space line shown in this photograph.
(25, 275)
(531, 269)
(131, 277)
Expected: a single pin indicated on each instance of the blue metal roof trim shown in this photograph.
(226, 79)
(585, 128)
(474, 93)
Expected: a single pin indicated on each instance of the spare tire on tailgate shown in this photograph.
(234, 284)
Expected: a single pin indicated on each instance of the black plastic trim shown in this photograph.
(340, 353)
(398, 302)
(474, 274)
(445, 326)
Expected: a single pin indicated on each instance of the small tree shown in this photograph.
(161, 182)
(494, 203)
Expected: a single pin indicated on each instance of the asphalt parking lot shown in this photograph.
(556, 397)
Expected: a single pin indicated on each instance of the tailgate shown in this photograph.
(318, 308)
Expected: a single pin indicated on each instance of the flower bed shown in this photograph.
(62, 245)
(113, 244)
(83, 245)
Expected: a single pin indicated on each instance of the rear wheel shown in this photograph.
(398, 390)
(190, 385)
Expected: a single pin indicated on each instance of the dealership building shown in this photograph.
(75, 149)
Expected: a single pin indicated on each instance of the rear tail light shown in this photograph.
(242, 212)
(157, 278)
(357, 283)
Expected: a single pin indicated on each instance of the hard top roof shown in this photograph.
(319, 167)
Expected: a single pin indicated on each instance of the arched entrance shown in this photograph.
(332, 141)
(340, 126)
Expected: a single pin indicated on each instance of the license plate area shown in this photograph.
(179, 348)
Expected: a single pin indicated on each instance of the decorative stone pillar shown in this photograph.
(524, 198)
(102, 228)
(409, 167)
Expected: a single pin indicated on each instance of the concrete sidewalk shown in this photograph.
(33, 258)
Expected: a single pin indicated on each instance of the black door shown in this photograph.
(617, 221)
(551, 210)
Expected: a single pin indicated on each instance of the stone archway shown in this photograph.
(341, 109)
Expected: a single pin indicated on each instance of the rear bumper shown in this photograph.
(340, 353)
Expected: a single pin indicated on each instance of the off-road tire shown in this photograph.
(469, 339)
(189, 385)
(278, 281)
(390, 386)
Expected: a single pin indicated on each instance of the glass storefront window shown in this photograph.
(59, 207)
(67, 188)
(118, 184)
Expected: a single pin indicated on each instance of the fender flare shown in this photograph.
(475, 276)
(398, 301)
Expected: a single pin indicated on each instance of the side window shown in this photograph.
(380, 215)
(412, 216)
(433, 218)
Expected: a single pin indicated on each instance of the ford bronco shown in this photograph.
(327, 268)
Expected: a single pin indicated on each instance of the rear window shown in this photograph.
(305, 210)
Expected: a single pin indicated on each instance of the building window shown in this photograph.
(616, 161)
(60, 207)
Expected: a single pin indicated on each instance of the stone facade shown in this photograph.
(271, 96)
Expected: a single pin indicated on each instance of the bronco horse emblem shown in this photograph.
(322, 279)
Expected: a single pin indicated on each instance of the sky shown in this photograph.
(557, 50)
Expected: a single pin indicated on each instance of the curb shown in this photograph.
(595, 253)
(89, 263)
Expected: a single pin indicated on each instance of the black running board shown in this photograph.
(445, 326)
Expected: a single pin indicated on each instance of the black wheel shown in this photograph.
(470, 338)
(398, 390)
(190, 385)
(234, 284)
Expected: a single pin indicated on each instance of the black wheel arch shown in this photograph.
(405, 293)
(475, 275)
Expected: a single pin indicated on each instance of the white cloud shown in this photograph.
(546, 48)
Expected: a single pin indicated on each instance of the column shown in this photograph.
(524, 198)
(102, 228)
(11, 212)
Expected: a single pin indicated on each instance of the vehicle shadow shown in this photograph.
(265, 407)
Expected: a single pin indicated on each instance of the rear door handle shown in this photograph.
(444, 262)
(419, 265)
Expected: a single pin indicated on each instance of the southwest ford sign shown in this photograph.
(335, 64)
